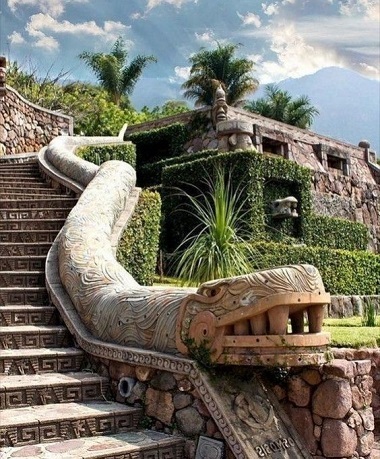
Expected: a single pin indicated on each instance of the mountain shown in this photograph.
(348, 104)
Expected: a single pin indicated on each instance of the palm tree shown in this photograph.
(219, 64)
(279, 105)
(114, 75)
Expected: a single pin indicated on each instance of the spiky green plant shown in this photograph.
(217, 247)
(369, 318)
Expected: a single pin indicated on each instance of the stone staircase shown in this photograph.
(49, 406)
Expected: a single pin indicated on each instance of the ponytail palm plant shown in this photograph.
(217, 247)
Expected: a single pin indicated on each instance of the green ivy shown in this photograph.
(261, 177)
(160, 143)
(138, 247)
(150, 174)
(337, 233)
(343, 272)
(98, 154)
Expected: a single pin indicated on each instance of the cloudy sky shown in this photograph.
(285, 38)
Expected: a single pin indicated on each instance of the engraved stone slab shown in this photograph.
(209, 448)
(254, 417)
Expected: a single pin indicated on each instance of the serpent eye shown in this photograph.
(211, 292)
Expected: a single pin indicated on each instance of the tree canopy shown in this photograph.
(221, 64)
(279, 105)
(112, 71)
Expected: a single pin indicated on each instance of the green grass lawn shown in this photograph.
(349, 332)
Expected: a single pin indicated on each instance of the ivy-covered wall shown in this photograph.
(260, 177)
(158, 144)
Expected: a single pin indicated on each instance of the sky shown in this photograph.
(285, 38)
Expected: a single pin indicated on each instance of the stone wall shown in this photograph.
(328, 405)
(330, 408)
(348, 306)
(26, 127)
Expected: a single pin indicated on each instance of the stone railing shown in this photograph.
(26, 127)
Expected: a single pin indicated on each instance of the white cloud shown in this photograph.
(43, 26)
(177, 3)
(52, 7)
(294, 56)
(182, 72)
(15, 38)
(368, 9)
(208, 36)
(250, 19)
(370, 70)
(270, 8)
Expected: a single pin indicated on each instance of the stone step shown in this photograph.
(9, 173)
(28, 236)
(64, 421)
(31, 249)
(30, 225)
(19, 181)
(34, 336)
(17, 391)
(22, 278)
(137, 444)
(22, 263)
(28, 315)
(11, 193)
(17, 296)
(38, 214)
(44, 203)
(35, 361)
(26, 186)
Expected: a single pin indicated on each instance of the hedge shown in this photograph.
(337, 233)
(160, 143)
(150, 174)
(99, 154)
(138, 247)
(343, 272)
(263, 178)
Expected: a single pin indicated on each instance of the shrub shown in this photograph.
(138, 247)
(215, 248)
(343, 272)
(336, 233)
(99, 154)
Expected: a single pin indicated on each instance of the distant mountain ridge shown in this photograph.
(348, 104)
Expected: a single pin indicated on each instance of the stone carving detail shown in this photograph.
(220, 107)
(285, 208)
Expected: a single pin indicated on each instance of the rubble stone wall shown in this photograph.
(26, 127)
(329, 405)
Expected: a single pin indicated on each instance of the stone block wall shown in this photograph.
(330, 408)
(329, 405)
(26, 127)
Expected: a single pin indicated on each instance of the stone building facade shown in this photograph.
(346, 178)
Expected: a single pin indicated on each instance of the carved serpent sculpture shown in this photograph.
(241, 320)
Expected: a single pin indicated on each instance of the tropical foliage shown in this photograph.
(113, 73)
(216, 248)
(279, 105)
(221, 65)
